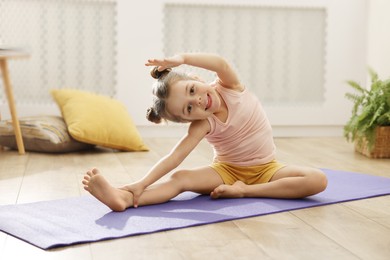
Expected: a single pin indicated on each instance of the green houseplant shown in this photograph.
(369, 125)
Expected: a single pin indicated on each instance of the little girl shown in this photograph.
(232, 120)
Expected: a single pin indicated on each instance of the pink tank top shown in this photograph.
(245, 138)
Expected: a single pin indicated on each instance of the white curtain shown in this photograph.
(72, 44)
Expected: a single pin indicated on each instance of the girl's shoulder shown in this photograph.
(199, 127)
(221, 89)
(219, 85)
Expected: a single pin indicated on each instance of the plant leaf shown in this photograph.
(356, 86)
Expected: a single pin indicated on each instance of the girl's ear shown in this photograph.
(196, 77)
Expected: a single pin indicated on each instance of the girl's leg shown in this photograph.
(289, 182)
(201, 180)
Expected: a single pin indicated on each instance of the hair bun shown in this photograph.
(155, 73)
(152, 115)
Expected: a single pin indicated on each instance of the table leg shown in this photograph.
(1, 147)
(11, 104)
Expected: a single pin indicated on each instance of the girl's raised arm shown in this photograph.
(226, 74)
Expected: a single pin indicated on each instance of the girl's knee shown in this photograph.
(178, 175)
(323, 181)
(180, 178)
(320, 181)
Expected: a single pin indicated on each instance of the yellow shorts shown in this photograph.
(231, 173)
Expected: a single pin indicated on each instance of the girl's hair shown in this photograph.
(161, 91)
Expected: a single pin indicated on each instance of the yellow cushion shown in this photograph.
(98, 120)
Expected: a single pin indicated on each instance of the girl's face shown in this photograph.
(193, 100)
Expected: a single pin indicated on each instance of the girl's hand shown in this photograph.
(137, 189)
(166, 63)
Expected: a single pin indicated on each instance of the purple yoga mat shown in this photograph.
(58, 223)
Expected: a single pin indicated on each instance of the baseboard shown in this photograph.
(279, 131)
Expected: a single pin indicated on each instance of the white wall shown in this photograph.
(358, 38)
(379, 37)
(140, 35)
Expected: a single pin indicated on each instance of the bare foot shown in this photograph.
(229, 191)
(116, 199)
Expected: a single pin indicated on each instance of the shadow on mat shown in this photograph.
(201, 209)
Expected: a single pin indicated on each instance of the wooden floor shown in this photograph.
(353, 230)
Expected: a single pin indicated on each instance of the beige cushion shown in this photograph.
(41, 134)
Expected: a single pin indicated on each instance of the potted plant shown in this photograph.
(369, 125)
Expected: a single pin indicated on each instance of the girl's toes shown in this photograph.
(95, 171)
